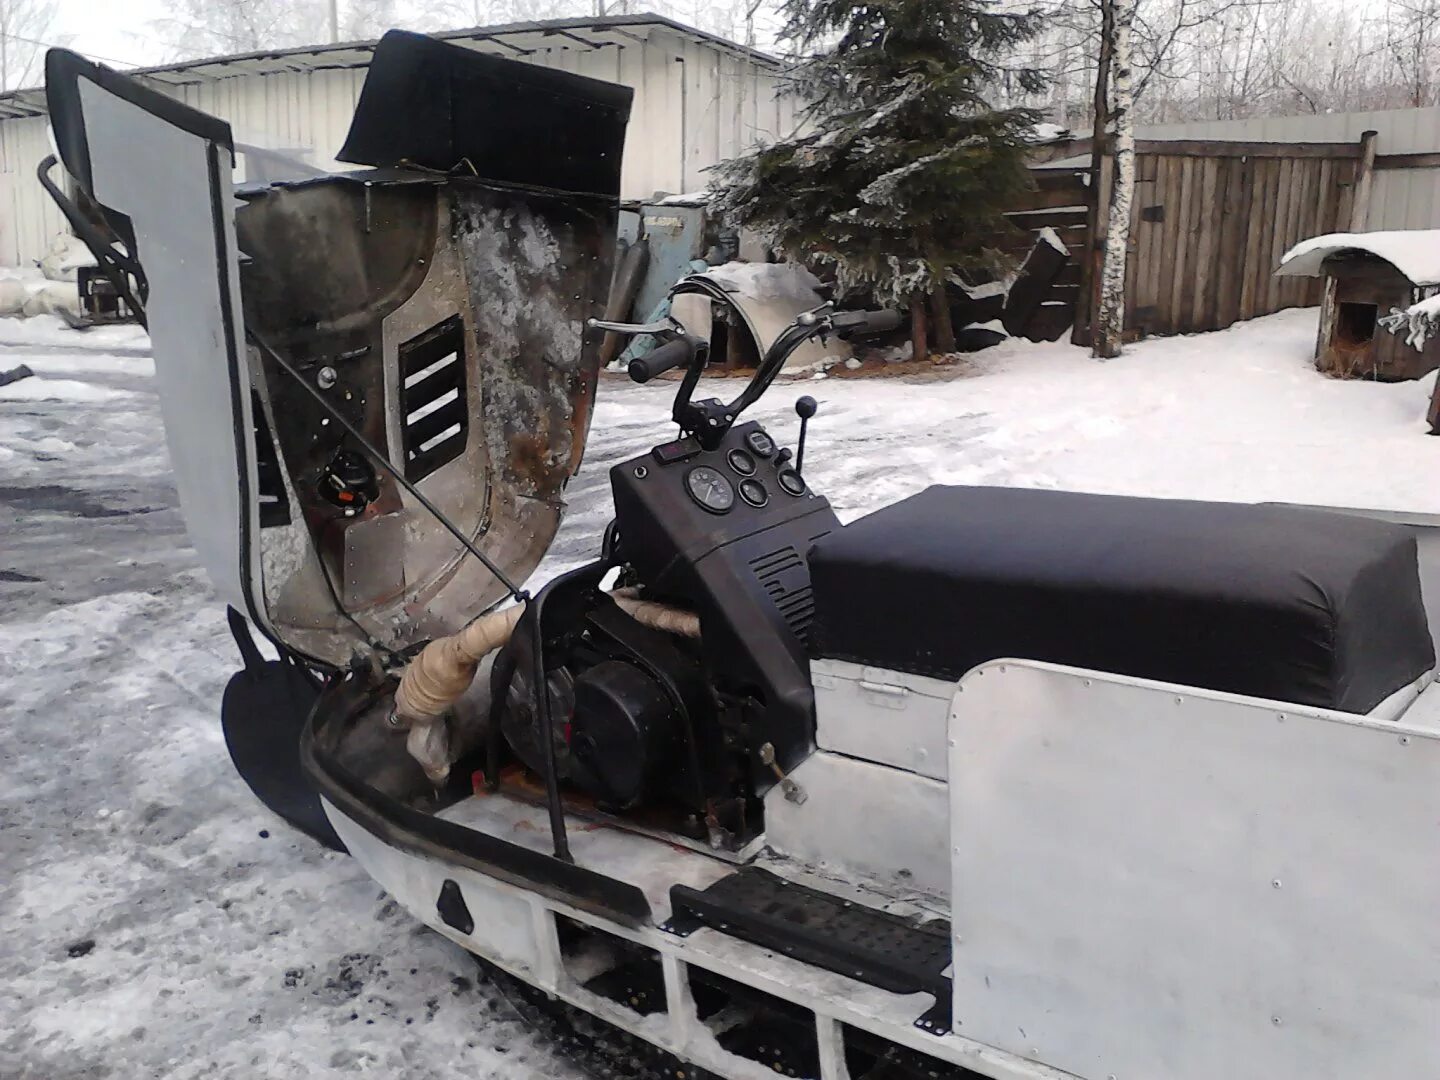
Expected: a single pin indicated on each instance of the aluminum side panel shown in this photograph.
(175, 187)
(1150, 881)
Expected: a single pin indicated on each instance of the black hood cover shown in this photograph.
(433, 105)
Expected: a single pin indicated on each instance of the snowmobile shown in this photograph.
(989, 782)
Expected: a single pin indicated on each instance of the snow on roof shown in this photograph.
(1414, 252)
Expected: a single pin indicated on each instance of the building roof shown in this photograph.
(515, 40)
(1414, 252)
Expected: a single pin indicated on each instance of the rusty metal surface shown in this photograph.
(340, 276)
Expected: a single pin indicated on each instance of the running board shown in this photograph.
(818, 928)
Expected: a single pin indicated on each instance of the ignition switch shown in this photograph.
(349, 482)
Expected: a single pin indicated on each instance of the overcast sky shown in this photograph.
(114, 30)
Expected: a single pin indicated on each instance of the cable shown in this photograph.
(52, 45)
(384, 462)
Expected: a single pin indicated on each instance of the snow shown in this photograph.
(1049, 236)
(1417, 322)
(986, 290)
(689, 198)
(39, 389)
(221, 953)
(1414, 252)
(995, 326)
(1048, 132)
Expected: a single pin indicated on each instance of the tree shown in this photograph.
(26, 28)
(1109, 322)
(363, 19)
(216, 27)
(901, 176)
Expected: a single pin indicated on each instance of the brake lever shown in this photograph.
(664, 326)
(815, 314)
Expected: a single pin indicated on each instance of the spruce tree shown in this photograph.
(904, 166)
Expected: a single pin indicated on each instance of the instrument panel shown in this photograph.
(756, 470)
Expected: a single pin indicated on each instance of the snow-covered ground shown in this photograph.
(157, 921)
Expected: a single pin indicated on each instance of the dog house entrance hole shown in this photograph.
(1355, 324)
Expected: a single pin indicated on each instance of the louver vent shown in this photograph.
(785, 577)
(274, 506)
(432, 389)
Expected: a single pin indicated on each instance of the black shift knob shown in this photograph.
(806, 407)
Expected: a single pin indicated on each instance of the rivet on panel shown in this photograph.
(1275, 884)
(1276, 1021)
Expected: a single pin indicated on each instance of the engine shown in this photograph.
(684, 733)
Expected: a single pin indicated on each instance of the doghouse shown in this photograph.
(1368, 275)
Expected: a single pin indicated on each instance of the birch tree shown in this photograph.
(1109, 322)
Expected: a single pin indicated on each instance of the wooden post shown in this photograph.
(1360, 190)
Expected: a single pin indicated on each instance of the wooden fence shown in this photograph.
(1209, 223)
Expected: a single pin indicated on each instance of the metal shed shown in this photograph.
(698, 100)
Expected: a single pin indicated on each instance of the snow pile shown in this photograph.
(1048, 133)
(1414, 252)
(66, 255)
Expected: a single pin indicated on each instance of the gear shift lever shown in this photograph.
(805, 408)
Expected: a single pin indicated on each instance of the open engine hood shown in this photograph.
(436, 299)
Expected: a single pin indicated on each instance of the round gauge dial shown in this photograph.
(790, 481)
(741, 462)
(754, 493)
(710, 489)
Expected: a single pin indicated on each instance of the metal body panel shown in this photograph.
(861, 820)
(174, 186)
(889, 717)
(1154, 881)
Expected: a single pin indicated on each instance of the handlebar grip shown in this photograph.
(661, 359)
(866, 322)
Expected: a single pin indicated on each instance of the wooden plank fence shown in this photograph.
(1209, 222)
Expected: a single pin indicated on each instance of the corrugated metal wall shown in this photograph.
(694, 105)
(1399, 199)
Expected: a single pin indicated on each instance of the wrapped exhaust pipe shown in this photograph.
(446, 667)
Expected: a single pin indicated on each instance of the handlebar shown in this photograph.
(661, 359)
(846, 323)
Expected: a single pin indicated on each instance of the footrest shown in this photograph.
(872, 946)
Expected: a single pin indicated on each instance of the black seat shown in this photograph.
(1294, 605)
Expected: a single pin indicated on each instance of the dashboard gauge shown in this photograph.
(790, 481)
(710, 489)
(760, 443)
(741, 462)
(754, 493)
